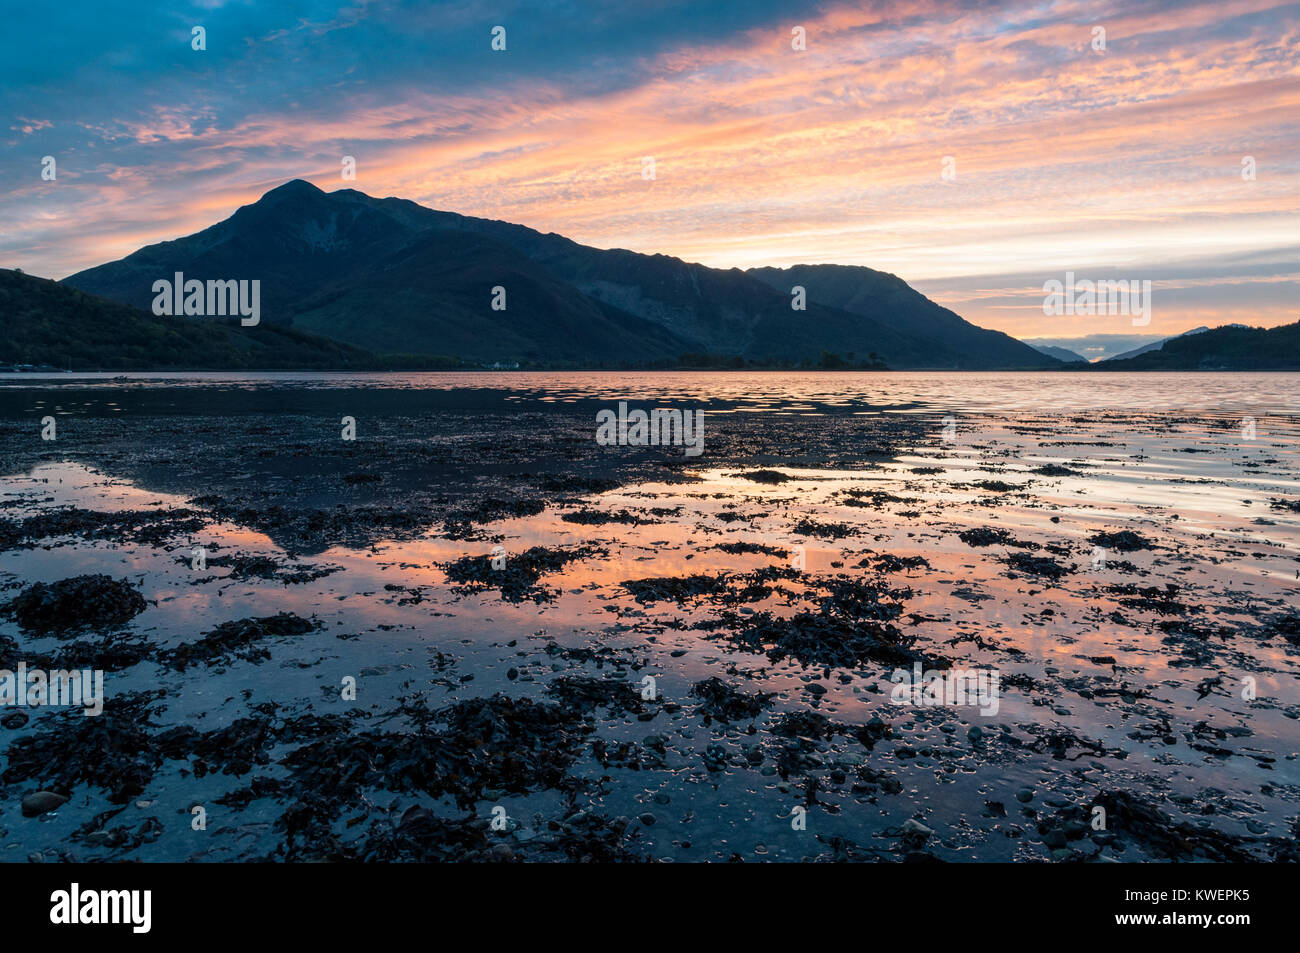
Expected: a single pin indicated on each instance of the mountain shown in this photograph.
(1097, 346)
(389, 275)
(377, 275)
(1229, 348)
(44, 322)
(949, 340)
(1154, 345)
(1060, 353)
(433, 295)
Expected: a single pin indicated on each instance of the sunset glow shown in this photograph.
(1124, 163)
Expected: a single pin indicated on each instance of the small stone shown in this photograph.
(911, 826)
(41, 802)
(648, 819)
(1024, 795)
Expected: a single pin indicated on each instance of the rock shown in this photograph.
(1025, 795)
(647, 819)
(975, 733)
(41, 802)
(911, 826)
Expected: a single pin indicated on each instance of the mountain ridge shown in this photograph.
(347, 265)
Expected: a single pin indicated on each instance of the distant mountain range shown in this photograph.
(350, 281)
(389, 276)
(1060, 353)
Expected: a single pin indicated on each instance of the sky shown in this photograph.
(977, 150)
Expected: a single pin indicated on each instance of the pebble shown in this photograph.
(41, 802)
(911, 826)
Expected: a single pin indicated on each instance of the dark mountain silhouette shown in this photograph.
(950, 340)
(1229, 348)
(1153, 345)
(44, 322)
(434, 295)
(389, 275)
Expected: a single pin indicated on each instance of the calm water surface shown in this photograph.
(795, 391)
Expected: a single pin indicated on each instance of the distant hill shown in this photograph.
(1060, 353)
(1228, 348)
(390, 275)
(44, 322)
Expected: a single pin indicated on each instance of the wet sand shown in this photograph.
(500, 587)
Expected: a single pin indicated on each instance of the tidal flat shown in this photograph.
(474, 633)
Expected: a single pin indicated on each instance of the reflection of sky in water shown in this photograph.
(790, 392)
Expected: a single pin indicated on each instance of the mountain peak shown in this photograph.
(294, 187)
